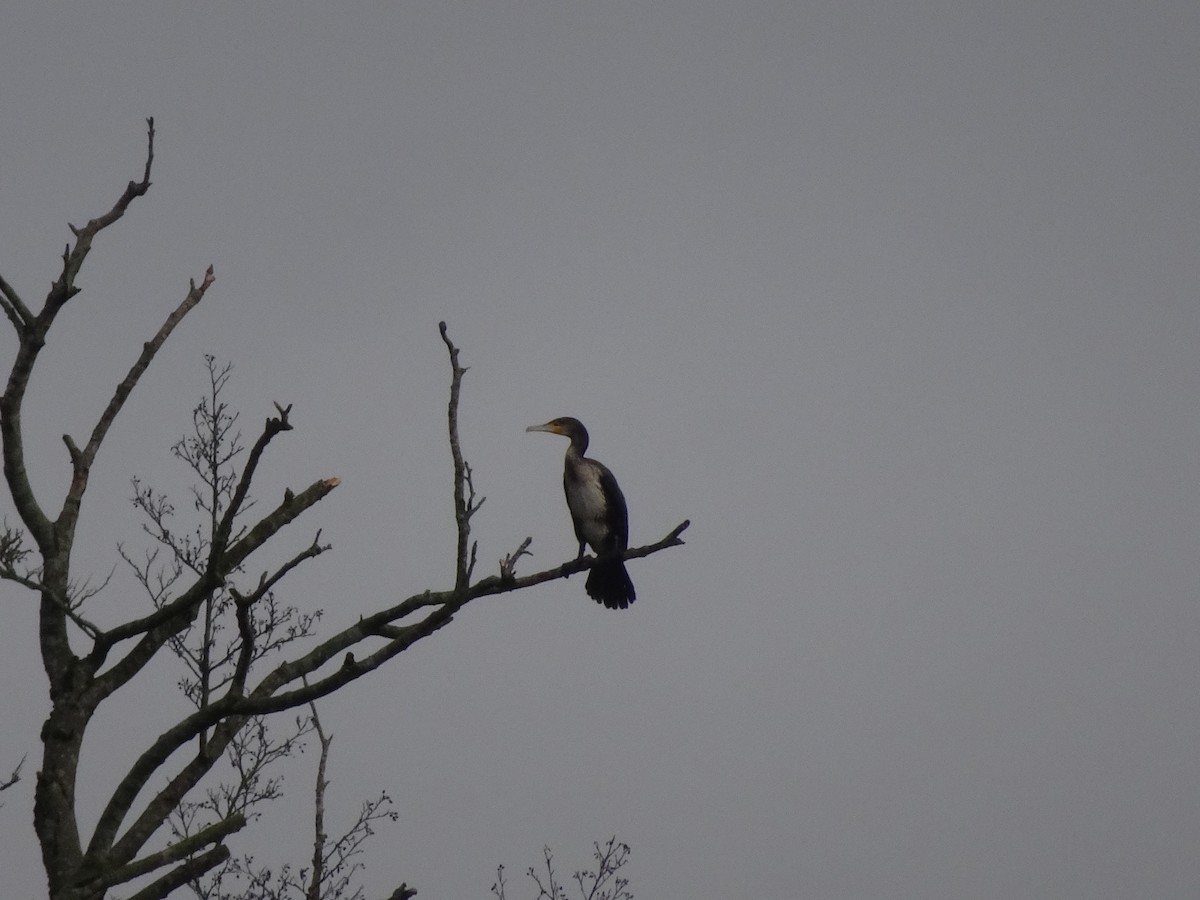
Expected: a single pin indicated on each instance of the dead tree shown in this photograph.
(131, 844)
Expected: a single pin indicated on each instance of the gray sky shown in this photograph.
(897, 302)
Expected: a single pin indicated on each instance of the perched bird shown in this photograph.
(599, 513)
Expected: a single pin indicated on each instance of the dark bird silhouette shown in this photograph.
(599, 513)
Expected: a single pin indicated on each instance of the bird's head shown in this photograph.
(568, 427)
(562, 425)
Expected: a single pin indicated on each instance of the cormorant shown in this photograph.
(599, 513)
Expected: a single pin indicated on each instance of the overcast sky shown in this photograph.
(897, 302)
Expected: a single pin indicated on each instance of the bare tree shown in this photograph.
(604, 882)
(133, 842)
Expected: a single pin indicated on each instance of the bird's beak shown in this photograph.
(545, 427)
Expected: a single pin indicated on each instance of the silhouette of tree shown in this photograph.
(157, 830)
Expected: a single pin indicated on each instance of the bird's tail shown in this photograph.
(609, 583)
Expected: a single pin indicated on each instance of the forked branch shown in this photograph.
(31, 330)
(82, 460)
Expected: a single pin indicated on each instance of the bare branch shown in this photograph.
(229, 712)
(508, 565)
(68, 605)
(610, 859)
(593, 884)
(13, 554)
(251, 756)
(264, 699)
(284, 514)
(317, 875)
(550, 890)
(292, 506)
(16, 310)
(83, 591)
(82, 459)
(462, 508)
(14, 777)
(178, 851)
(32, 339)
(271, 428)
(499, 884)
(245, 604)
(12, 434)
(64, 288)
(183, 874)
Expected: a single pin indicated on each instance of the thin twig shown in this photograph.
(14, 777)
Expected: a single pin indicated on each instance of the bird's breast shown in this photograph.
(588, 506)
